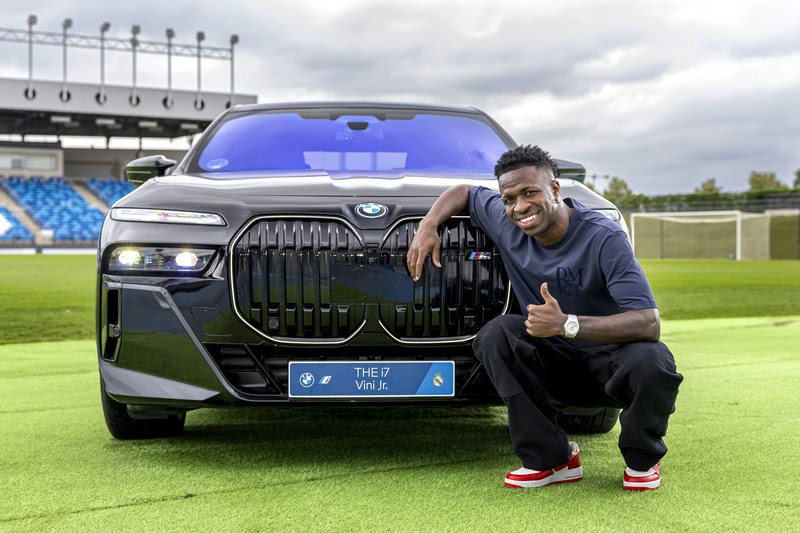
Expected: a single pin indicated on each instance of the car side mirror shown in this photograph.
(140, 170)
(568, 169)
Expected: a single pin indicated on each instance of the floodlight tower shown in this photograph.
(30, 94)
(64, 95)
(234, 40)
(101, 96)
(168, 102)
(198, 102)
(135, 30)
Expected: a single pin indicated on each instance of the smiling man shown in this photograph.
(589, 330)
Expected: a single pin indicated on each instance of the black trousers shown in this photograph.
(640, 378)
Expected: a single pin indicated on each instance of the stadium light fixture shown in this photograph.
(101, 96)
(234, 40)
(135, 30)
(64, 96)
(30, 94)
(198, 101)
(168, 102)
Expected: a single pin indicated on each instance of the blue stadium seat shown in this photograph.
(108, 190)
(55, 205)
(17, 232)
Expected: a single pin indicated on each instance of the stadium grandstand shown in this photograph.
(54, 196)
(56, 207)
(11, 229)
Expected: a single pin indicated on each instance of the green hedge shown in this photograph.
(744, 201)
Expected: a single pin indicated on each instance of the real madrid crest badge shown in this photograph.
(438, 380)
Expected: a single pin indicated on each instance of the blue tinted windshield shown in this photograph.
(412, 141)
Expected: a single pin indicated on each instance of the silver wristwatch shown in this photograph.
(571, 326)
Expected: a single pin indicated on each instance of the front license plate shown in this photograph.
(371, 379)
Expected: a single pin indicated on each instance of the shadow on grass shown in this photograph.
(326, 439)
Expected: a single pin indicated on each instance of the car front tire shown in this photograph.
(123, 426)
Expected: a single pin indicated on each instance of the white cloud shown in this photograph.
(663, 93)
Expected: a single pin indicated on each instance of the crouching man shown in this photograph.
(589, 334)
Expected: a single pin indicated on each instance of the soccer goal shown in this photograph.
(700, 235)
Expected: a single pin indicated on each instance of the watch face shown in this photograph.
(571, 327)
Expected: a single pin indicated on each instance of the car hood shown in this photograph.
(298, 184)
(240, 197)
(321, 183)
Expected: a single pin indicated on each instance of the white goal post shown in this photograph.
(701, 235)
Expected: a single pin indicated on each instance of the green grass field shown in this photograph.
(50, 298)
(46, 297)
(687, 288)
(730, 468)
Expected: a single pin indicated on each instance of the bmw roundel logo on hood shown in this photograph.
(371, 210)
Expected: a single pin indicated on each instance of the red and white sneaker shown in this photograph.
(635, 480)
(571, 471)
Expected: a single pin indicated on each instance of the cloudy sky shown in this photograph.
(664, 94)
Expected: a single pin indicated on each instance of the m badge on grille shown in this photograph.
(479, 256)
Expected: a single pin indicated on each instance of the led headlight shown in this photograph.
(186, 259)
(129, 257)
(140, 260)
(167, 216)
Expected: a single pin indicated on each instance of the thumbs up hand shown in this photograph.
(545, 320)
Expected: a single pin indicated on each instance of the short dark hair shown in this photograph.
(524, 156)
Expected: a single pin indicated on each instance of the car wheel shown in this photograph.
(580, 420)
(123, 426)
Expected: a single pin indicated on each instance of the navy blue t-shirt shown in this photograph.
(591, 271)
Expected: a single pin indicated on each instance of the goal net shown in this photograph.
(700, 235)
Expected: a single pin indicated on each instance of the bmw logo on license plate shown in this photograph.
(371, 210)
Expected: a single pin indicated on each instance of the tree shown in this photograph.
(765, 181)
(591, 182)
(617, 191)
(708, 187)
(797, 179)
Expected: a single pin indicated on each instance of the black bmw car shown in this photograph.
(269, 267)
